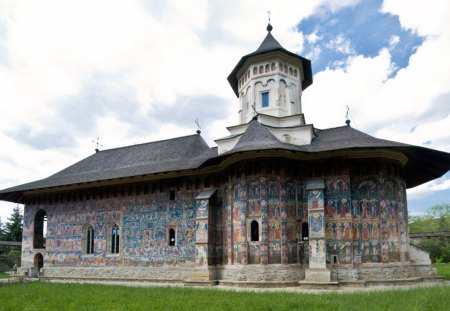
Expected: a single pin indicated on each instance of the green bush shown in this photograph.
(438, 248)
(10, 257)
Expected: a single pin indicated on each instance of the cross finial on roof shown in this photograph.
(198, 126)
(347, 121)
(255, 113)
(97, 143)
(269, 26)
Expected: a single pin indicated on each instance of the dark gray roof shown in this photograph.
(424, 164)
(269, 45)
(256, 137)
(192, 152)
(161, 156)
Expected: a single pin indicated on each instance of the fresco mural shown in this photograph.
(378, 209)
(338, 219)
(143, 223)
(276, 203)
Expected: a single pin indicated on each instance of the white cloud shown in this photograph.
(393, 41)
(424, 190)
(148, 55)
(340, 44)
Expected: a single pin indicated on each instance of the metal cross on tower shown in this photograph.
(198, 126)
(97, 143)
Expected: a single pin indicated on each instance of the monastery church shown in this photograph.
(278, 202)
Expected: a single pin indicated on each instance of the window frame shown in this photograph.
(169, 237)
(89, 240)
(265, 95)
(114, 246)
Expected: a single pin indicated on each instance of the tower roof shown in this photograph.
(270, 45)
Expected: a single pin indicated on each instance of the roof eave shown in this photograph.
(306, 64)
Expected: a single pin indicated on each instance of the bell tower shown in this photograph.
(270, 81)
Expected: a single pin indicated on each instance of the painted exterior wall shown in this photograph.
(363, 220)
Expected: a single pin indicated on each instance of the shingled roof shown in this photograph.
(191, 152)
(423, 164)
(161, 156)
(270, 45)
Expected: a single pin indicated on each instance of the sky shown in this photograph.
(134, 71)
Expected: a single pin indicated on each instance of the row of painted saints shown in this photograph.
(364, 208)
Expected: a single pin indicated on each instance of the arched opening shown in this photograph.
(305, 231)
(90, 240)
(171, 237)
(261, 69)
(267, 68)
(40, 229)
(272, 67)
(115, 239)
(254, 231)
(38, 261)
(255, 70)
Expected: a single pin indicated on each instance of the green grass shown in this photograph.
(443, 269)
(49, 296)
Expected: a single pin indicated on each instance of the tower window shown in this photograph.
(267, 68)
(295, 72)
(254, 231)
(273, 67)
(261, 69)
(265, 99)
(255, 70)
(115, 239)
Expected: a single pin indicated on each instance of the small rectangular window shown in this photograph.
(172, 195)
(265, 99)
(172, 237)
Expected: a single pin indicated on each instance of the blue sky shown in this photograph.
(356, 30)
(63, 82)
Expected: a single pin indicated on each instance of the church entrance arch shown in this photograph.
(38, 261)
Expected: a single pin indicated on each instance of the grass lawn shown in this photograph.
(443, 269)
(48, 296)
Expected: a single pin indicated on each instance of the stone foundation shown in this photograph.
(260, 273)
(153, 274)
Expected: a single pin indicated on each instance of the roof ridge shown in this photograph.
(149, 142)
(332, 128)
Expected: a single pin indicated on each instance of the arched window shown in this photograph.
(267, 68)
(305, 231)
(261, 69)
(254, 231)
(280, 66)
(290, 71)
(273, 67)
(172, 237)
(89, 240)
(38, 261)
(40, 229)
(255, 70)
(295, 72)
(285, 69)
(115, 235)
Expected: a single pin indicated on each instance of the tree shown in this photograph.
(2, 231)
(437, 218)
(14, 226)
